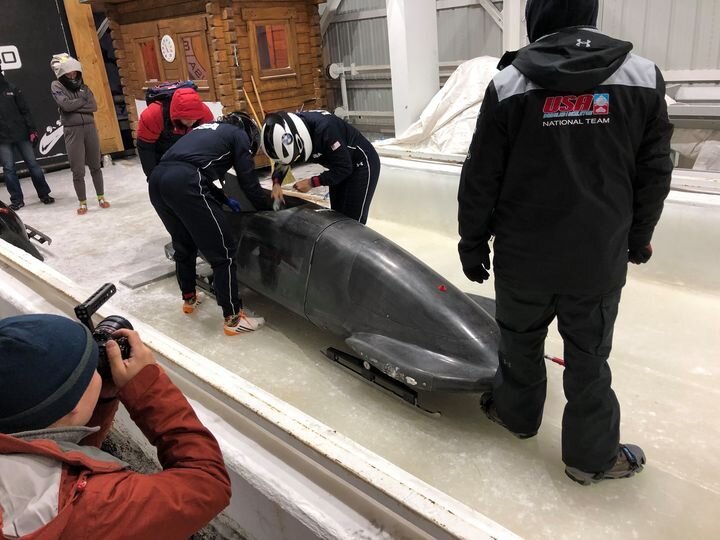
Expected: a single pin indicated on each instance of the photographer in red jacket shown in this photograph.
(55, 410)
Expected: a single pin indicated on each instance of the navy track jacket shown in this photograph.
(569, 164)
(335, 145)
(215, 147)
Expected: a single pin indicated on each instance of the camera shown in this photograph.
(102, 333)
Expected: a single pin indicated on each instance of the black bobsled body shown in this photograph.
(13, 231)
(391, 309)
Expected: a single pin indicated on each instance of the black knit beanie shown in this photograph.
(46, 364)
(545, 17)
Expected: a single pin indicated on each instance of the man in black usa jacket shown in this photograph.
(568, 170)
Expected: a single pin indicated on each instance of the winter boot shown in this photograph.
(630, 461)
(488, 406)
(242, 322)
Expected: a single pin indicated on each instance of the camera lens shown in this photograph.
(103, 333)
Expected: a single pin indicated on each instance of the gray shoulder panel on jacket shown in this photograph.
(635, 71)
(510, 82)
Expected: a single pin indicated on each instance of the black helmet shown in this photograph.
(243, 120)
(286, 138)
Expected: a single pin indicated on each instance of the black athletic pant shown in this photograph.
(352, 196)
(195, 222)
(591, 421)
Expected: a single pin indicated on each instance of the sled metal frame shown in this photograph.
(39, 237)
(371, 374)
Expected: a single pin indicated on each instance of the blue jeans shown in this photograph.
(7, 160)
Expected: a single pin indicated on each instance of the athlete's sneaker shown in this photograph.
(82, 209)
(488, 406)
(103, 203)
(241, 323)
(48, 200)
(629, 462)
(16, 206)
(191, 304)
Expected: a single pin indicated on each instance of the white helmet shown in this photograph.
(286, 138)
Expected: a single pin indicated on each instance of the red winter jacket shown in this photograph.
(98, 497)
(155, 135)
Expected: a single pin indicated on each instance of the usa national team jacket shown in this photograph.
(569, 164)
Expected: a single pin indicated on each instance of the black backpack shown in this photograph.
(164, 91)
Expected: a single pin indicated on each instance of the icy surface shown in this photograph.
(666, 362)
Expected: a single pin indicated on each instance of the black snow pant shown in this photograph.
(591, 421)
(195, 221)
(353, 195)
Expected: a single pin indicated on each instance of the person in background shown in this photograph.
(353, 165)
(17, 132)
(55, 411)
(160, 126)
(76, 103)
(183, 192)
(568, 169)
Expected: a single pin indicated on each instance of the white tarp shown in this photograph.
(446, 125)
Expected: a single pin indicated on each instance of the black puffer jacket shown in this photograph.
(16, 122)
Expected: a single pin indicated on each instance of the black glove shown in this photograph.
(640, 255)
(476, 273)
(480, 272)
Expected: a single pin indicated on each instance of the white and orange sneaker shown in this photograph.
(241, 323)
(191, 304)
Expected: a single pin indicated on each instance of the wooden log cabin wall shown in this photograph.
(221, 45)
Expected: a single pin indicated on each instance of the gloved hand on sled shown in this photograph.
(234, 205)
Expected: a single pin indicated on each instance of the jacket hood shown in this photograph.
(571, 60)
(548, 16)
(63, 63)
(186, 104)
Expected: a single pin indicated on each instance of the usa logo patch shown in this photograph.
(576, 106)
(335, 146)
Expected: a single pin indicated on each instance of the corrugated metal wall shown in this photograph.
(463, 33)
(468, 32)
(363, 42)
(675, 34)
(354, 6)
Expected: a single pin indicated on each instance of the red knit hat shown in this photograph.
(186, 104)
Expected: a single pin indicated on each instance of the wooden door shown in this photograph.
(192, 54)
(173, 50)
